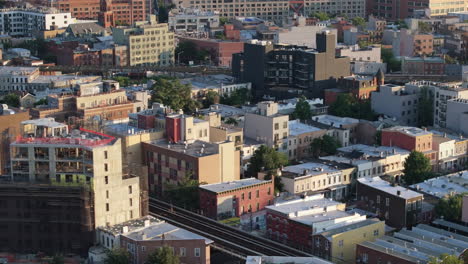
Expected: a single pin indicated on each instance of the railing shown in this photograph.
(68, 141)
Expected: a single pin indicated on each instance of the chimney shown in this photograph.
(147, 223)
(125, 229)
(398, 193)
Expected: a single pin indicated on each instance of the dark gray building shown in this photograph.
(288, 70)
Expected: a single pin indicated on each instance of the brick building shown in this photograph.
(83, 55)
(409, 43)
(399, 206)
(235, 198)
(293, 222)
(10, 121)
(220, 51)
(423, 65)
(409, 138)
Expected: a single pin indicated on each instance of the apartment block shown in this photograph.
(266, 125)
(371, 53)
(410, 43)
(149, 43)
(279, 70)
(295, 221)
(192, 21)
(413, 246)
(221, 132)
(409, 138)
(399, 206)
(300, 138)
(143, 236)
(401, 10)
(443, 93)
(24, 21)
(343, 129)
(277, 11)
(330, 178)
(200, 160)
(456, 115)
(221, 51)
(236, 198)
(423, 65)
(339, 244)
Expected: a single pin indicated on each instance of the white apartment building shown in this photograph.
(47, 152)
(370, 53)
(444, 92)
(24, 21)
(190, 21)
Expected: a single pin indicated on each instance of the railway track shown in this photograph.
(239, 242)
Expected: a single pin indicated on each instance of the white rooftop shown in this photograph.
(312, 168)
(232, 185)
(45, 122)
(411, 131)
(163, 230)
(443, 186)
(282, 260)
(298, 128)
(334, 121)
(13, 70)
(378, 183)
(375, 151)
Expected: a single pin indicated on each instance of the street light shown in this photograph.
(178, 57)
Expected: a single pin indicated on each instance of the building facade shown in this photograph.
(395, 11)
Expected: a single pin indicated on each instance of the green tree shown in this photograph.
(211, 97)
(302, 110)
(265, 159)
(57, 259)
(163, 255)
(237, 98)
(279, 186)
(424, 27)
(223, 21)
(446, 259)
(359, 21)
(392, 63)
(231, 121)
(123, 80)
(378, 137)
(324, 146)
(170, 92)
(322, 16)
(450, 208)
(449, 59)
(347, 105)
(184, 193)
(37, 47)
(43, 101)
(187, 51)
(117, 256)
(417, 168)
(163, 11)
(11, 100)
(363, 43)
(426, 108)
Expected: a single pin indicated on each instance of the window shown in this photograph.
(276, 126)
(387, 201)
(107, 207)
(143, 248)
(340, 243)
(183, 252)
(106, 179)
(365, 258)
(106, 167)
(107, 194)
(105, 154)
(378, 199)
(130, 189)
(130, 202)
(376, 232)
(258, 193)
(197, 252)
(242, 196)
(250, 195)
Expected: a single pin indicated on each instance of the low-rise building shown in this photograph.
(222, 84)
(456, 115)
(444, 186)
(339, 244)
(410, 43)
(220, 51)
(293, 222)
(341, 128)
(399, 206)
(370, 53)
(332, 179)
(141, 237)
(417, 245)
(423, 65)
(236, 198)
(281, 260)
(300, 138)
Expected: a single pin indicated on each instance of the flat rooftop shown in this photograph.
(13, 70)
(307, 170)
(335, 121)
(298, 128)
(283, 260)
(384, 186)
(125, 129)
(45, 122)
(375, 151)
(131, 225)
(197, 148)
(301, 204)
(411, 131)
(232, 185)
(343, 229)
(442, 186)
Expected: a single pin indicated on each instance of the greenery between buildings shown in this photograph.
(450, 207)
(172, 93)
(324, 146)
(426, 108)
(11, 99)
(183, 194)
(187, 51)
(417, 168)
(117, 256)
(302, 110)
(265, 159)
(446, 259)
(163, 255)
(347, 105)
(237, 97)
(393, 65)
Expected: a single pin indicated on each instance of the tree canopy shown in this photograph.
(11, 99)
(322, 16)
(163, 255)
(358, 21)
(450, 208)
(211, 97)
(424, 27)
(184, 193)
(187, 51)
(446, 259)
(123, 80)
(264, 159)
(392, 63)
(347, 105)
(170, 92)
(324, 146)
(302, 110)
(426, 108)
(237, 97)
(117, 256)
(417, 168)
